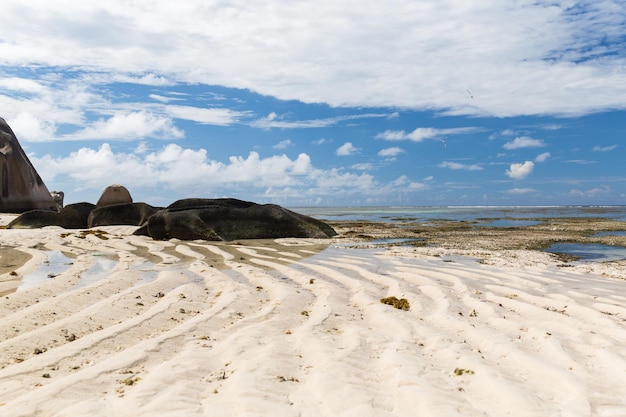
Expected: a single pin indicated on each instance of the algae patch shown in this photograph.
(400, 304)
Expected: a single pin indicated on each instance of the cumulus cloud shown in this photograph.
(30, 128)
(165, 171)
(520, 171)
(169, 167)
(347, 149)
(458, 166)
(524, 142)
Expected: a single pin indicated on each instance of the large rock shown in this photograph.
(230, 219)
(134, 214)
(72, 216)
(21, 188)
(114, 194)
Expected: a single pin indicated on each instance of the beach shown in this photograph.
(100, 322)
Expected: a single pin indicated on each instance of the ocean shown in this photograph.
(481, 214)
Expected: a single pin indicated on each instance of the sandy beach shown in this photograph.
(103, 323)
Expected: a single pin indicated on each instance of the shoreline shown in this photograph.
(297, 327)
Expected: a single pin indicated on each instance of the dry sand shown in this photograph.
(103, 323)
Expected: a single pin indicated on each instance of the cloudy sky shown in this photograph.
(325, 102)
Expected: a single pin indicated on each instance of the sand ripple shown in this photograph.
(266, 328)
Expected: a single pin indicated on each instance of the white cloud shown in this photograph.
(422, 133)
(347, 149)
(129, 126)
(543, 157)
(141, 148)
(391, 152)
(404, 182)
(165, 172)
(519, 191)
(363, 167)
(321, 141)
(524, 142)
(29, 128)
(520, 171)
(21, 84)
(511, 54)
(219, 117)
(581, 161)
(163, 99)
(283, 144)
(604, 148)
(458, 166)
(273, 120)
(594, 192)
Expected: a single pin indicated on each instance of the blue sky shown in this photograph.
(300, 103)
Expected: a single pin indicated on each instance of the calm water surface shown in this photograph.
(473, 214)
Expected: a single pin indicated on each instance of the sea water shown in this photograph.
(478, 214)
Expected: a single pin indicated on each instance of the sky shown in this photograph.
(321, 103)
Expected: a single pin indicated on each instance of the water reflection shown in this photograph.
(614, 233)
(99, 270)
(590, 251)
(56, 263)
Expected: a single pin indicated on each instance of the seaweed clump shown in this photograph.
(400, 304)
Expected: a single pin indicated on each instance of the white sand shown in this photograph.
(277, 333)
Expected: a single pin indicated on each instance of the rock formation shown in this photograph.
(114, 194)
(72, 216)
(230, 219)
(190, 219)
(58, 197)
(134, 214)
(21, 188)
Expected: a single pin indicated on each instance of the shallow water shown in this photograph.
(590, 251)
(614, 233)
(458, 213)
(55, 264)
(99, 270)
(379, 242)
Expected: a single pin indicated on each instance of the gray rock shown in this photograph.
(134, 214)
(21, 188)
(231, 219)
(114, 194)
(72, 216)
